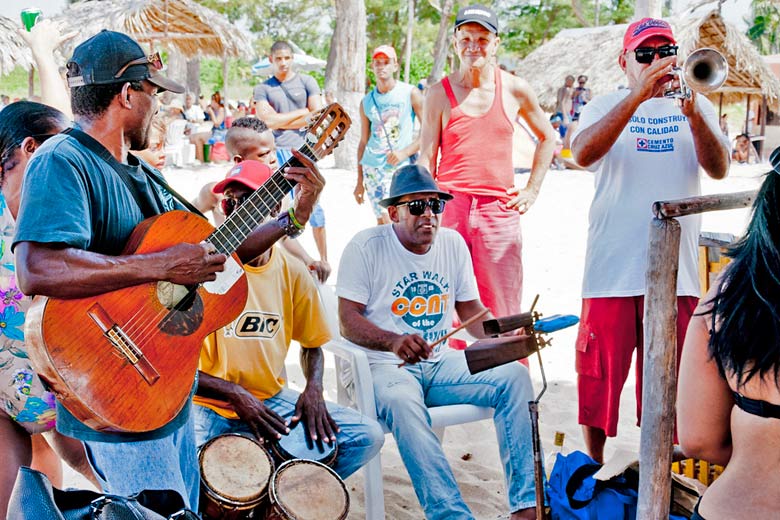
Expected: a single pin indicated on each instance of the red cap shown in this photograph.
(385, 50)
(645, 28)
(251, 174)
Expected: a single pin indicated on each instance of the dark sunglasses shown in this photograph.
(154, 60)
(417, 207)
(229, 204)
(646, 55)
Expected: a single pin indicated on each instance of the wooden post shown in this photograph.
(762, 151)
(747, 116)
(31, 82)
(660, 371)
(225, 79)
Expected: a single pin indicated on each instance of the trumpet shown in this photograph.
(705, 70)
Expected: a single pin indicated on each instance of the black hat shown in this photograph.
(412, 178)
(99, 59)
(480, 14)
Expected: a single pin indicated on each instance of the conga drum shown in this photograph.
(234, 474)
(297, 445)
(307, 490)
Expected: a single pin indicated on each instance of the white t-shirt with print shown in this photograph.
(653, 159)
(404, 292)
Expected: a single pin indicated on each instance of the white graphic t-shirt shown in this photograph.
(653, 159)
(404, 292)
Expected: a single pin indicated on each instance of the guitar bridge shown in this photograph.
(122, 343)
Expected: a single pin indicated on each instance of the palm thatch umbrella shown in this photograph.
(594, 52)
(181, 25)
(13, 51)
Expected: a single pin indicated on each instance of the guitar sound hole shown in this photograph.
(185, 306)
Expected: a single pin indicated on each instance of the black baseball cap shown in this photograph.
(480, 14)
(99, 59)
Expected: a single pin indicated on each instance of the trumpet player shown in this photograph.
(642, 147)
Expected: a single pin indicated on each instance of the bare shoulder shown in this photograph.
(516, 85)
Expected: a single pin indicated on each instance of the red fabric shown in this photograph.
(610, 330)
(219, 153)
(476, 152)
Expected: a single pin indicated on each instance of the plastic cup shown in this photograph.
(29, 17)
(206, 153)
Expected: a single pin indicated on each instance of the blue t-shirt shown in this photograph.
(300, 88)
(71, 196)
(392, 124)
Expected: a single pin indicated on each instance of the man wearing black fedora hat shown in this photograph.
(399, 285)
(82, 197)
(466, 142)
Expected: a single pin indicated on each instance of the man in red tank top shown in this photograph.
(466, 142)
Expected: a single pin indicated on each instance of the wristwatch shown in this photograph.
(288, 223)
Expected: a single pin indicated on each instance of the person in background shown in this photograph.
(563, 103)
(387, 139)
(581, 96)
(744, 152)
(728, 396)
(285, 101)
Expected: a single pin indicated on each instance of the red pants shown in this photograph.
(492, 234)
(610, 330)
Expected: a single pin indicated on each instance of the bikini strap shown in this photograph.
(756, 406)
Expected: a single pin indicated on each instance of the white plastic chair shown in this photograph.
(178, 150)
(355, 389)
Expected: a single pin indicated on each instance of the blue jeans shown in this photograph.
(403, 396)
(359, 438)
(127, 468)
(317, 218)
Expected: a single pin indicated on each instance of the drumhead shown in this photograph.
(308, 490)
(235, 467)
(295, 445)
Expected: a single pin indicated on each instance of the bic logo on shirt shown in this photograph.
(422, 304)
(254, 324)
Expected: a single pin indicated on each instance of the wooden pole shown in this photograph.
(747, 116)
(761, 147)
(703, 203)
(225, 80)
(660, 371)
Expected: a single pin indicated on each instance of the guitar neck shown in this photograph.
(257, 207)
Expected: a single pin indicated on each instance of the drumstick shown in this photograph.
(456, 330)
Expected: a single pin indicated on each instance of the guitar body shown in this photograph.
(125, 361)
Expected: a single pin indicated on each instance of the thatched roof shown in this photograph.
(13, 51)
(594, 52)
(184, 25)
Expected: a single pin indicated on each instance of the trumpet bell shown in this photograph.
(705, 70)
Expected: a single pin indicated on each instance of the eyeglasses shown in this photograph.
(417, 207)
(229, 204)
(154, 60)
(646, 55)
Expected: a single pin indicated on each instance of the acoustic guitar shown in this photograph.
(125, 360)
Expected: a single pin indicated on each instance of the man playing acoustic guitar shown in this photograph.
(82, 198)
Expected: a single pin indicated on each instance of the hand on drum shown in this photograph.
(311, 409)
(265, 423)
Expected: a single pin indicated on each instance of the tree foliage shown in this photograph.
(764, 26)
(307, 23)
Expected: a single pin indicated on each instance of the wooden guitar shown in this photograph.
(125, 361)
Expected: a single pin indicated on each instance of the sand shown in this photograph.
(554, 231)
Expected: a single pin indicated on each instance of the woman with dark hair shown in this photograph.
(728, 409)
(27, 409)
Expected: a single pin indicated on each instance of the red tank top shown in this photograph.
(476, 152)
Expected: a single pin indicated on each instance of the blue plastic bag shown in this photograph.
(575, 495)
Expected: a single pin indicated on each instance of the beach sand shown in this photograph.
(554, 235)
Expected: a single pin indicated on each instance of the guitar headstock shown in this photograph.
(329, 126)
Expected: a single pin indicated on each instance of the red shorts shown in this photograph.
(610, 330)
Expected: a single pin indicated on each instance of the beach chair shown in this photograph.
(354, 388)
(178, 149)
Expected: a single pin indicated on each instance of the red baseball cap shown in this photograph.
(251, 174)
(646, 28)
(385, 50)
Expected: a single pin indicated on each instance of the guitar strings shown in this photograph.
(148, 327)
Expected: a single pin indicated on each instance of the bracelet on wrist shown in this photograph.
(295, 220)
